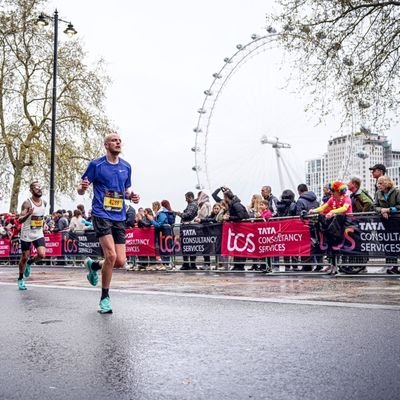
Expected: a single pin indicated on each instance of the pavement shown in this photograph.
(349, 290)
(199, 336)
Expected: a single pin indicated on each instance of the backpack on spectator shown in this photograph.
(170, 217)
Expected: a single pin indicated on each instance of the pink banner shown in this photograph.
(53, 244)
(290, 237)
(4, 247)
(140, 242)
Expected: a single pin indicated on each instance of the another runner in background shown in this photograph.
(32, 219)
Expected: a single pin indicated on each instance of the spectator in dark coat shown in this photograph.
(237, 212)
(387, 203)
(130, 216)
(62, 223)
(187, 216)
(287, 205)
(286, 208)
(377, 171)
(191, 210)
(307, 199)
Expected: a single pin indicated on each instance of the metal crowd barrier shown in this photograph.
(317, 264)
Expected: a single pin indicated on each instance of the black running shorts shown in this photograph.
(104, 226)
(25, 246)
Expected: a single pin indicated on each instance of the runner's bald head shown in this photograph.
(34, 185)
(109, 137)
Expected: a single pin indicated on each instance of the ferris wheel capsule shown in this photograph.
(239, 46)
(216, 75)
(364, 104)
(365, 130)
(195, 149)
(197, 130)
(362, 154)
(201, 111)
(348, 61)
(227, 60)
(196, 168)
(208, 92)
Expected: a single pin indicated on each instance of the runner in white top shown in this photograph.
(32, 219)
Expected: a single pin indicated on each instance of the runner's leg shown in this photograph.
(40, 254)
(108, 246)
(120, 251)
(22, 263)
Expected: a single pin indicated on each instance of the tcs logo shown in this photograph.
(240, 242)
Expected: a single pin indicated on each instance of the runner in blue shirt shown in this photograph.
(111, 179)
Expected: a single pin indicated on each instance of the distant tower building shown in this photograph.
(395, 158)
(353, 155)
(394, 170)
(316, 175)
(394, 173)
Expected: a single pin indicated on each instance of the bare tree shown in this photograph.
(346, 51)
(26, 98)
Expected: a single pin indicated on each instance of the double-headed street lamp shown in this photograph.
(42, 21)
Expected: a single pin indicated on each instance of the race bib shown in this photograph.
(113, 201)
(36, 222)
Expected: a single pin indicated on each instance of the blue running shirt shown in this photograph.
(110, 182)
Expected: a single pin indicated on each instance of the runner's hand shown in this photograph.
(135, 198)
(85, 183)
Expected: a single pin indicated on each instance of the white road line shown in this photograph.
(224, 297)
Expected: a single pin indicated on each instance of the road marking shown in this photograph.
(225, 297)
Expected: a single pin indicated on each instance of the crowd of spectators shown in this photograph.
(60, 220)
(339, 199)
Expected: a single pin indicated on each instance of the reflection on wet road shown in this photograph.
(55, 346)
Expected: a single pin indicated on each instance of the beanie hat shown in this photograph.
(337, 186)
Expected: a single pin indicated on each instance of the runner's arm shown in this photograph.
(26, 211)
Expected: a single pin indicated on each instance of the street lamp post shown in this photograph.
(42, 21)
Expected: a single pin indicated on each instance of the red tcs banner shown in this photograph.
(289, 237)
(140, 242)
(4, 247)
(53, 243)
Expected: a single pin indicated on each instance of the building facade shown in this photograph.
(353, 155)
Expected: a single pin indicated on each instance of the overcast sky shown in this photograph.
(161, 56)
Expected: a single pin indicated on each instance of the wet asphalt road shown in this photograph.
(55, 346)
